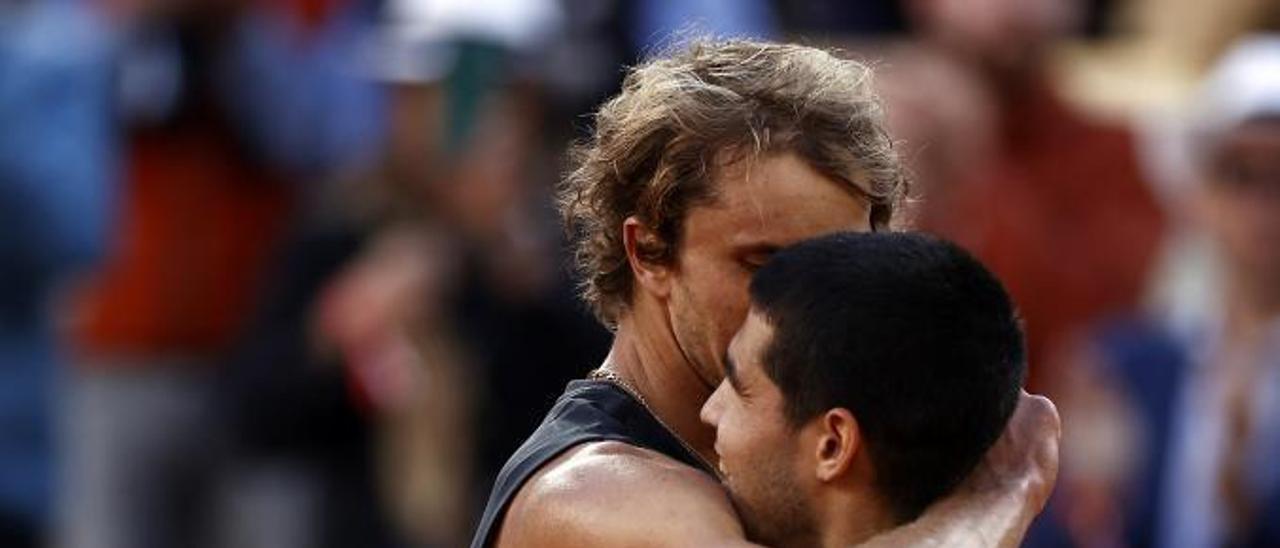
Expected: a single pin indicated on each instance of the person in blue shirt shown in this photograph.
(57, 172)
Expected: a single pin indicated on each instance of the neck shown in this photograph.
(851, 518)
(646, 356)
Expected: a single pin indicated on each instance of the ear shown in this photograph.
(839, 441)
(642, 243)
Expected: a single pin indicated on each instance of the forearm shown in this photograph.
(987, 519)
(995, 505)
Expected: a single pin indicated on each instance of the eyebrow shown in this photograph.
(731, 372)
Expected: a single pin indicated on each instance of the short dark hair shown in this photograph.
(912, 335)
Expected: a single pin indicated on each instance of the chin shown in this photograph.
(774, 513)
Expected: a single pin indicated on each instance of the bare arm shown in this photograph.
(613, 494)
(996, 505)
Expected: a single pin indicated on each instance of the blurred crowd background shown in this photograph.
(287, 273)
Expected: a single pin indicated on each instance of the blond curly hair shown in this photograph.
(657, 145)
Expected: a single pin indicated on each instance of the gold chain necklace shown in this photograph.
(609, 376)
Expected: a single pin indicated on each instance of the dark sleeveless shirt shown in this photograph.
(589, 410)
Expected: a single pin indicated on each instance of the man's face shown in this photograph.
(760, 453)
(1241, 199)
(764, 204)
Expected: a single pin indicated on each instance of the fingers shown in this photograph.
(1037, 428)
(1039, 413)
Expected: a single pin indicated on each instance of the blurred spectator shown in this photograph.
(456, 320)
(57, 174)
(945, 137)
(231, 106)
(1201, 391)
(302, 448)
(1059, 211)
(1156, 52)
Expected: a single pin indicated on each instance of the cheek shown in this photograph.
(745, 442)
(710, 307)
(722, 298)
(758, 468)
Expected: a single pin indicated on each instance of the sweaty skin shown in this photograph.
(669, 345)
(613, 494)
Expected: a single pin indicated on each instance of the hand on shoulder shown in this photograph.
(1025, 458)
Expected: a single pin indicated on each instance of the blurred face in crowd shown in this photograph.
(1001, 33)
(948, 135)
(763, 204)
(1241, 198)
(761, 454)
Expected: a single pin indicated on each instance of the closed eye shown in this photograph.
(753, 259)
(731, 373)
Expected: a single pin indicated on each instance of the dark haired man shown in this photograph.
(871, 375)
(708, 161)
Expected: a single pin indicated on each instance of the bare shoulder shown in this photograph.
(614, 494)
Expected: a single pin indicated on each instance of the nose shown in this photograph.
(710, 413)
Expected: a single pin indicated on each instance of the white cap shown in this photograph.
(1245, 84)
(416, 44)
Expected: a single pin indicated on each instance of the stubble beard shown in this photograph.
(774, 509)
